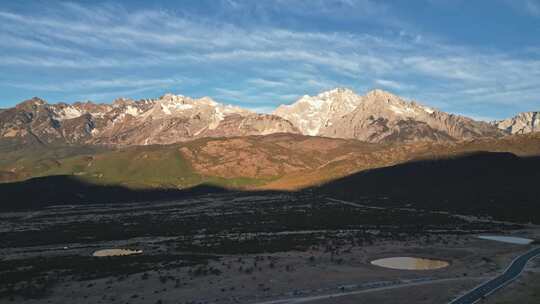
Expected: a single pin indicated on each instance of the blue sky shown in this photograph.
(478, 58)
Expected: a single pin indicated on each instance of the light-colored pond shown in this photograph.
(115, 252)
(506, 239)
(410, 263)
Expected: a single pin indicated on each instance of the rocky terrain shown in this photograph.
(522, 123)
(376, 117)
(379, 116)
(177, 142)
(168, 119)
(242, 248)
(245, 206)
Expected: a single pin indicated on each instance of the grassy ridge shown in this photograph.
(135, 167)
(278, 161)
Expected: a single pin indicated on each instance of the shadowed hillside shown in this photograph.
(501, 185)
(275, 162)
(433, 176)
(67, 190)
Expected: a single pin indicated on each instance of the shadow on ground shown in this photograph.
(501, 185)
(56, 190)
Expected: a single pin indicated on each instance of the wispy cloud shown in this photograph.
(257, 66)
(266, 83)
(392, 84)
(93, 84)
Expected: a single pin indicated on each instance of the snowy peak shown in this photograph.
(337, 93)
(311, 113)
(381, 100)
(164, 120)
(171, 106)
(177, 104)
(64, 112)
(377, 116)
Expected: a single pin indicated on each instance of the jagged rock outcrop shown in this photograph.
(527, 122)
(379, 116)
(168, 119)
(311, 115)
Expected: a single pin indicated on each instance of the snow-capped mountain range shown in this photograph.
(378, 116)
(165, 120)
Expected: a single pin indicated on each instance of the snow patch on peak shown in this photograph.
(410, 109)
(311, 113)
(428, 110)
(69, 112)
(336, 91)
(175, 107)
(133, 111)
(209, 101)
(182, 106)
(313, 102)
(381, 93)
(397, 110)
(173, 97)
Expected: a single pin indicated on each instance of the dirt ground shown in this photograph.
(251, 250)
(257, 279)
(430, 293)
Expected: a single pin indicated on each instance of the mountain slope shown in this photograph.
(454, 176)
(479, 184)
(376, 117)
(276, 161)
(522, 123)
(232, 162)
(168, 119)
(311, 115)
(379, 116)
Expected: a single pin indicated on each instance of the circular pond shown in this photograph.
(410, 263)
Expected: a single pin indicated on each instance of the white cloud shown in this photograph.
(271, 64)
(92, 84)
(392, 84)
(266, 83)
(114, 94)
(460, 68)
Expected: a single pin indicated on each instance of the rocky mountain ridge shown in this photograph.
(378, 116)
(168, 119)
(526, 122)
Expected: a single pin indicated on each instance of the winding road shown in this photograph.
(510, 274)
(305, 299)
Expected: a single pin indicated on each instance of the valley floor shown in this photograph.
(246, 248)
